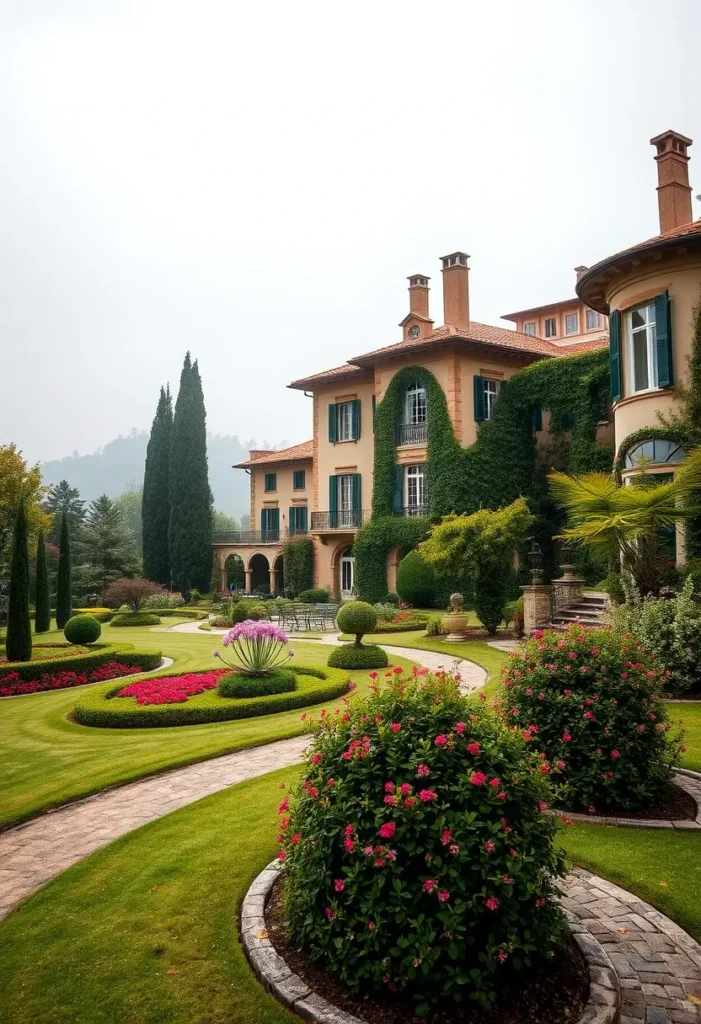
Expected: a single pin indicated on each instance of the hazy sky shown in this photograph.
(254, 182)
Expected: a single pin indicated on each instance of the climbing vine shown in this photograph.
(298, 565)
(372, 544)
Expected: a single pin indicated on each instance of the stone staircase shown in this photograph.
(589, 610)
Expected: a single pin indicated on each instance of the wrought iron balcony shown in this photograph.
(343, 519)
(410, 433)
(415, 510)
(249, 537)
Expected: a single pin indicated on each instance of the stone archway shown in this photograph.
(278, 578)
(234, 572)
(259, 572)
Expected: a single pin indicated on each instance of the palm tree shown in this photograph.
(626, 522)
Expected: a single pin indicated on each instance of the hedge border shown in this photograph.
(94, 707)
(100, 655)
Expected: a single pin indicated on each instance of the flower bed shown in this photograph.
(98, 655)
(49, 652)
(99, 707)
(12, 685)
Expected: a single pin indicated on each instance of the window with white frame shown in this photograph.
(551, 327)
(415, 410)
(571, 323)
(642, 360)
(491, 390)
(593, 320)
(529, 328)
(414, 489)
(345, 421)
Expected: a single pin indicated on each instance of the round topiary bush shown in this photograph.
(135, 619)
(82, 629)
(416, 581)
(592, 703)
(279, 680)
(419, 854)
(315, 596)
(352, 656)
(357, 617)
(257, 612)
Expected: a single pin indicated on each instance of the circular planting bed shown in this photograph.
(65, 665)
(192, 699)
(49, 652)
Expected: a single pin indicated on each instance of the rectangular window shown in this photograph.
(593, 320)
(299, 480)
(551, 327)
(345, 422)
(529, 328)
(416, 405)
(491, 390)
(642, 339)
(298, 519)
(271, 481)
(415, 490)
(571, 323)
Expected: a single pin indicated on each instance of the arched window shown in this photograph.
(415, 410)
(658, 451)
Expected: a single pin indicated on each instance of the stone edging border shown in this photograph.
(288, 988)
(165, 663)
(687, 780)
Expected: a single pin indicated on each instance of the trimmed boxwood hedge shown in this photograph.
(136, 619)
(98, 706)
(99, 654)
(178, 613)
(237, 685)
(354, 656)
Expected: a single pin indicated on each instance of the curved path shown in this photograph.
(33, 853)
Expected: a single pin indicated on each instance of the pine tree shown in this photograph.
(42, 615)
(64, 594)
(65, 500)
(106, 544)
(155, 508)
(190, 528)
(18, 645)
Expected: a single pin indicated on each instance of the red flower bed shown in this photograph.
(172, 689)
(12, 684)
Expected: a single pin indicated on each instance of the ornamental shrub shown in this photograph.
(257, 612)
(490, 600)
(591, 702)
(82, 629)
(135, 619)
(357, 617)
(419, 857)
(351, 656)
(233, 684)
(317, 595)
(385, 612)
(416, 581)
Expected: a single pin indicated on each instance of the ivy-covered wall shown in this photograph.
(298, 564)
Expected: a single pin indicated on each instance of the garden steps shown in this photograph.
(588, 610)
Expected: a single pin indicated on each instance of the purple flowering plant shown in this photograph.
(259, 647)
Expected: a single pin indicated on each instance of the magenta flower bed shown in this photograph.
(12, 684)
(172, 689)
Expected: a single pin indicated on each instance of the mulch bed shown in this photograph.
(555, 993)
(675, 804)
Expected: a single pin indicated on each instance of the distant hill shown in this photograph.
(119, 465)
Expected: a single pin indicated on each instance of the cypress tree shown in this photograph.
(64, 596)
(155, 506)
(190, 527)
(19, 628)
(42, 616)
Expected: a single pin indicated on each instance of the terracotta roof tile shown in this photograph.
(296, 453)
(500, 337)
(338, 372)
(583, 346)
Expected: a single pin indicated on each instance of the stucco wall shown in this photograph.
(284, 496)
(344, 456)
(471, 366)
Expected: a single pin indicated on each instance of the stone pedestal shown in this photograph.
(568, 589)
(536, 606)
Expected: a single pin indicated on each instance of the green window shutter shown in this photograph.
(478, 388)
(663, 329)
(264, 520)
(537, 418)
(355, 419)
(615, 354)
(298, 480)
(333, 494)
(333, 423)
(374, 409)
(357, 492)
(274, 520)
(398, 496)
(271, 481)
(292, 519)
(302, 522)
(566, 420)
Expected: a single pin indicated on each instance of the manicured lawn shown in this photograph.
(689, 716)
(45, 759)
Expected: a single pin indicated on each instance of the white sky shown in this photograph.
(255, 182)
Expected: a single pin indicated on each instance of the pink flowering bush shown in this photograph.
(258, 647)
(171, 689)
(12, 684)
(592, 703)
(419, 855)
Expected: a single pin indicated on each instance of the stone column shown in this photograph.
(536, 606)
(223, 577)
(273, 581)
(248, 574)
(568, 588)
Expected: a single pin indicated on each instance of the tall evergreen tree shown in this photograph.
(190, 528)
(155, 507)
(64, 500)
(106, 544)
(64, 593)
(18, 645)
(42, 615)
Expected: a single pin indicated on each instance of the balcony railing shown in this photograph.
(415, 510)
(250, 537)
(410, 433)
(343, 519)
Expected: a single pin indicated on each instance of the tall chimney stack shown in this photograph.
(418, 294)
(673, 190)
(456, 294)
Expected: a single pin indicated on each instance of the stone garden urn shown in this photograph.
(455, 622)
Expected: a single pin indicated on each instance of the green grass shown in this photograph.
(689, 717)
(47, 760)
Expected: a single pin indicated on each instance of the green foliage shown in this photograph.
(82, 629)
(95, 658)
(375, 540)
(64, 590)
(444, 888)
(105, 544)
(131, 591)
(19, 627)
(385, 612)
(130, 504)
(591, 702)
(357, 617)
(314, 686)
(352, 656)
(317, 595)
(190, 526)
(278, 680)
(42, 614)
(18, 480)
(416, 581)
(434, 626)
(64, 500)
(135, 619)
(298, 565)
(155, 506)
(513, 615)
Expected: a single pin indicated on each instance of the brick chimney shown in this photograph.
(418, 294)
(673, 190)
(456, 294)
(580, 270)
